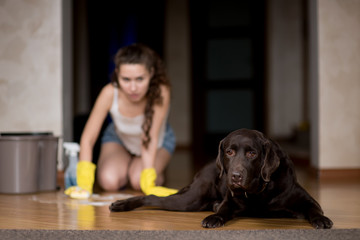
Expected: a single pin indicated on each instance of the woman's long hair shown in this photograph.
(141, 54)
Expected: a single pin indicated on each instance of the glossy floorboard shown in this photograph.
(53, 210)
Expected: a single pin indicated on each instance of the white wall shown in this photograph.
(339, 83)
(334, 77)
(31, 66)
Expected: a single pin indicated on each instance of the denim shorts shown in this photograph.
(169, 143)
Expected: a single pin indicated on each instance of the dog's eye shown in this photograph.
(251, 154)
(230, 152)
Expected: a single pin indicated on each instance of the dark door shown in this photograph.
(227, 71)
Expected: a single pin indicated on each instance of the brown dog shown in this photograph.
(252, 177)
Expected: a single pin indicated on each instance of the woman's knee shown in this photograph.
(110, 181)
(112, 167)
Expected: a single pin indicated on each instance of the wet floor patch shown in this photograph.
(94, 200)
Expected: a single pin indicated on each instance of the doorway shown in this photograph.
(228, 69)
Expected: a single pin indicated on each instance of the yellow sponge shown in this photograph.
(77, 193)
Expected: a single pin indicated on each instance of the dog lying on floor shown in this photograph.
(251, 177)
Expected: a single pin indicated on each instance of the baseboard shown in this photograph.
(352, 174)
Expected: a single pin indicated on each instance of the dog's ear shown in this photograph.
(271, 160)
(220, 159)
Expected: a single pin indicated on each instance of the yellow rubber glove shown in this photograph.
(147, 184)
(85, 177)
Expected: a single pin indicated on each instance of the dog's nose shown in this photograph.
(236, 176)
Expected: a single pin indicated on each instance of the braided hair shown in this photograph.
(140, 54)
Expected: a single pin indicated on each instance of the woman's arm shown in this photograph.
(160, 113)
(148, 174)
(94, 123)
(85, 170)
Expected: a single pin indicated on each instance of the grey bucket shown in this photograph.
(28, 162)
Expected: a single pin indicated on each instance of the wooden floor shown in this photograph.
(53, 210)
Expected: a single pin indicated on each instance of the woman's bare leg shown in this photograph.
(112, 169)
(136, 166)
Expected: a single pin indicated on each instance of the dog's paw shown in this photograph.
(127, 204)
(213, 221)
(119, 206)
(321, 222)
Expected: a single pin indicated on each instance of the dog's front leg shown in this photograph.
(314, 214)
(127, 204)
(305, 204)
(223, 213)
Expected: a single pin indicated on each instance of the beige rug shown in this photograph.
(334, 234)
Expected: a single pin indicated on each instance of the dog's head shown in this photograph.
(248, 159)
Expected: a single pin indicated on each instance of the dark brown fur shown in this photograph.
(251, 177)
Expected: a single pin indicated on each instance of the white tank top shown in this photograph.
(129, 128)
